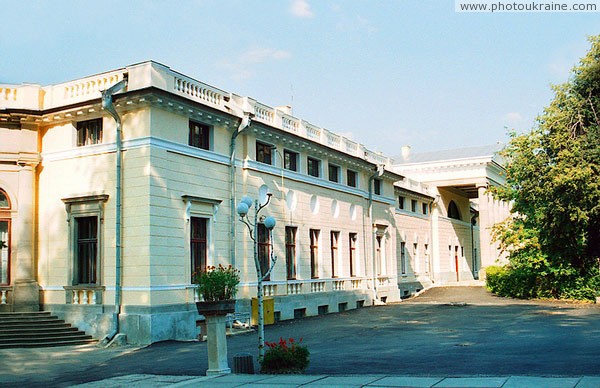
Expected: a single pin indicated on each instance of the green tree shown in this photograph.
(553, 183)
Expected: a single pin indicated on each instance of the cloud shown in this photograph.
(301, 9)
(263, 54)
(513, 118)
(244, 67)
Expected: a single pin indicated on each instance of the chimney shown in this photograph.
(405, 152)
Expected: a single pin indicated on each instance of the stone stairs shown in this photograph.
(38, 329)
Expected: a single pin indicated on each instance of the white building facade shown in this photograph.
(186, 155)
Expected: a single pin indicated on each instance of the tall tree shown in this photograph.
(553, 178)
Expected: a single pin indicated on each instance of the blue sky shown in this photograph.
(384, 73)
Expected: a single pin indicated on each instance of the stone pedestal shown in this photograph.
(217, 345)
(26, 296)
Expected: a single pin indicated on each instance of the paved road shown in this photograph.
(447, 331)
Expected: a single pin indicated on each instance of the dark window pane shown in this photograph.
(314, 253)
(87, 250)
(290, 160)
(89, 132)
(313, 167)
(263, 153)
(198, 244)
(199, 135)
(352, 237)
(377, 186)
(264, 249)
(334, 173)
(290, 251)
(351, 178)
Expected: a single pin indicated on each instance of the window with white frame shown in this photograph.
(85, 217)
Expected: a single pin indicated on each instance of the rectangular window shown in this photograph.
(4, 250)
(264, 152)
(425, 208)
(314, 253)
(198, 244)
(378, 261)
(264, 249)
(413, 205)
(352, 237)
(403, 257)
(290, 160)
(87, 250)
(401, 201)
(377, 186)
(416, 257)
(314, 167)
(334, 173)
(290, 251)
(427, 263)
(351, 178)
(199, 135)
(89, 132)
(335, 236)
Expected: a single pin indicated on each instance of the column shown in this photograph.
(485, 231)
(26, 290)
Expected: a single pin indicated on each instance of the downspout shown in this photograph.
(378, 173)
(245, 123)
(107, 105)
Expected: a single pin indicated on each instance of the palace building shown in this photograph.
(116, 187)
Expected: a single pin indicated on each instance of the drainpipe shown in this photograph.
(107, 104)
(378, 173)
(246, 121)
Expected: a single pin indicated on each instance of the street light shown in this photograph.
(269, 222)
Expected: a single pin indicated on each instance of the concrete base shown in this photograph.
(216, 372)
(26, 296)
(217, 345)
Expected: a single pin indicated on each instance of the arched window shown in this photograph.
(4, 238)
(453, 211)
(4, 202)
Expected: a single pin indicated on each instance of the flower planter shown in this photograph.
(219, 307)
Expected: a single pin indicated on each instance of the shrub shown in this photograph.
(542, 282)
(217, 283)
(285, 357)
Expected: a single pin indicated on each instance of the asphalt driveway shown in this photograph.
(449, 331)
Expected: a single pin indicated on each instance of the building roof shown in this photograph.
(452, 154)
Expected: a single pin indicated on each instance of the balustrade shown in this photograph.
(317, 287)
(270, 289)
(357, 284)
(264, 113)
(91, 86)
(339, 285)
(294, 288)
(313, 133)
(4, 295)
(84, 295)
(199, 91)
(383, 281)
(290, 124)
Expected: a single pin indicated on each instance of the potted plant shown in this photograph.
(216, 288)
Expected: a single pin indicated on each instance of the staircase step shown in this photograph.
(81, 336)
(71, 342)
(39, 334)
(38, 329)
(45, 326)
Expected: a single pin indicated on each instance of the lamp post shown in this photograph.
(269, 222)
